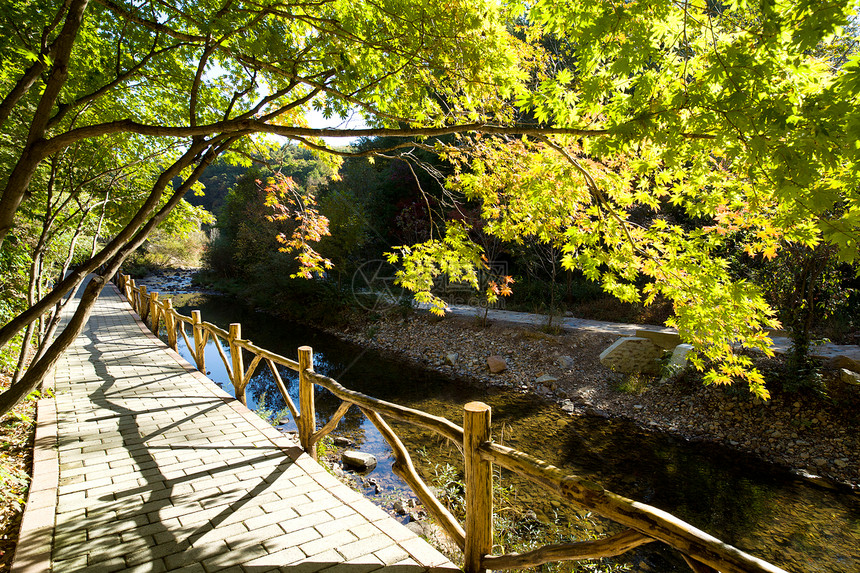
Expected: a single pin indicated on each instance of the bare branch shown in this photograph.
(592, 549)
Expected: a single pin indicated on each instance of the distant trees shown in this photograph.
(266, 206)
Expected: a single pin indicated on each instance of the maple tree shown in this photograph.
(731, 112)
(288, 204)
(727, 113)
(207, 74)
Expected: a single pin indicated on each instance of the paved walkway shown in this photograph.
(781, 344)
(143, 464)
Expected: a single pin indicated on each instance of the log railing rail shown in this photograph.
(644, 523)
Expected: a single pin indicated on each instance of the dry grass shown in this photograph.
(17, 430)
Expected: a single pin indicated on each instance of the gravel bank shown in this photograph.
(803, 432)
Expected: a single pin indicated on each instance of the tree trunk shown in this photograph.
(99, 226)
(53, 319)
(22, 355)
(110, 250)
(35, 269)
(39, 369)
(26, 81)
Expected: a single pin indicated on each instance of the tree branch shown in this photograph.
(593, 549)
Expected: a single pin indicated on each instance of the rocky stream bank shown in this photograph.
(803, 431)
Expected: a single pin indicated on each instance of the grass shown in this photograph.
(635, 383)
(17, 430)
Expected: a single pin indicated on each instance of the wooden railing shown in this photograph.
(645, 524)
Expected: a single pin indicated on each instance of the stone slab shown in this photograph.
(665, 340)
(632, 354)
(148, 465)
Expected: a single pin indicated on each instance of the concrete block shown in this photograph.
(665, 340)
(678, 362)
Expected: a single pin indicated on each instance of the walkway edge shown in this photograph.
(35, 538)
(70, 519)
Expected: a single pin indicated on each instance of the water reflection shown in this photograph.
(755, 506)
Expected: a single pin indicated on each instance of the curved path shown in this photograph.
(780, 343)
(143, 464)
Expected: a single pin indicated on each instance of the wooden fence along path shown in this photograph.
(643, 523)
(142, 464)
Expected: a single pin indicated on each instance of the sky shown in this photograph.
(355, 121)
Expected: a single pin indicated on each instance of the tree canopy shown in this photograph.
(580, 124)
(736, 114)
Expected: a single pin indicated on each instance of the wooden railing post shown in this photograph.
(479, 487)
(237, 360)
(306, 400)
(153, 312)
(132, 290)
(170, 323)
(142, 308)
(199, 341)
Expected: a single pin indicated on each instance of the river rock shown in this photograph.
(566, 363)
(842, 362)
(496, 364)
(416, 528)
(568, 406)
(815, 479)
(451, 358)
(359, 460)
(546, 380)
(849, 377)
(342, 442)
(632, 354)
(598, 413)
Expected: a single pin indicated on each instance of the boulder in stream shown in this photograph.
(496, 364)
(849, 377)
(546, 380)
(358, 460)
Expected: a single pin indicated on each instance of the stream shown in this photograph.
(758, 507)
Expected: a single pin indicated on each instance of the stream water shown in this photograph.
(760, 508)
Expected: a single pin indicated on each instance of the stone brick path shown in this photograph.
(143, 464)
